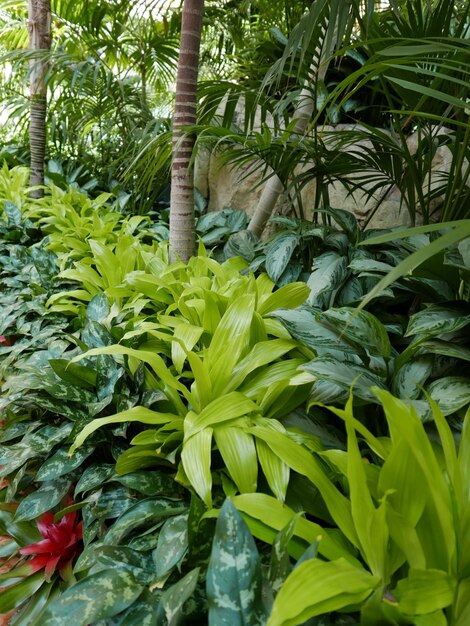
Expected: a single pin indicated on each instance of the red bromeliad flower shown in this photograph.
(60, 545)
(6, 341)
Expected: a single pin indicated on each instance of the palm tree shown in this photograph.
(39, 27)
(182, 228)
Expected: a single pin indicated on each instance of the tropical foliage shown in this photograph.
(277, 430)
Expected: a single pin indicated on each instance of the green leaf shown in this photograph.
(438, 320)
(234, 583)
(196, 460)
(317, 588)
(174, 598)
(239, 455)
(425, 591)
(60, 463)
(329, 272)
(279, 565)
(136, 414)
(145, 512)
(42, 500)
(13, 596)
(73, 373)
(222, 409)
(94, 476)
(98, 308)
(288, 297)
(409, 379)
(451, 393)
(150, 483)
(279, 252)
(139, 565)
(93, 598)
(344, 375)
(361, 327)
(277, 472)
(172, 545)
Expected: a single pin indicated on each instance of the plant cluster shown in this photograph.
(168, 452)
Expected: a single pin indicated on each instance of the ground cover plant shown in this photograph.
(158, 416)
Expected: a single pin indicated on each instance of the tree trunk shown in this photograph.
(303, 115)
(39, 27)
(182, 228)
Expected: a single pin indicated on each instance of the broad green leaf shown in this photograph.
(94, 476)
(61, 463)
(287, 297)
(329, 272)
(230, 340)
(145, 512)
(16, 594)
(369, 521)
(345, 375)
(451, 393)
(418, 257)
(150, 483)
(136, 414)
(43, 499)
(196, 460)
(305, 326)
(93, 598)
(303, 462)
(319, 587)
(74, 373)
(279, 565)
(222, 409)
(277, 472)
(409, 379)
(138, 564)
(437, 320)
(172, 545)
(362, 328)
(174, 598)
(425, 591)
(279, 252)
(238, 452)
(234, 582)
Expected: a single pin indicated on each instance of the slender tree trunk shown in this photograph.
(182, 229)
(303, 115)
(39, 27)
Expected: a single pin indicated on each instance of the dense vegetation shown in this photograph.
(276, 431)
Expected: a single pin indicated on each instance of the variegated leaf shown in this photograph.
(61, 463)
(93, 598)
(172, 544)
(234, 583)
(438, 320)
(43, 499)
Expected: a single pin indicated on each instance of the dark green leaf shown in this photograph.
(96, 597)
(172, 544)
(61, 463)
(234, 575)
(44, 499)
(279, 253)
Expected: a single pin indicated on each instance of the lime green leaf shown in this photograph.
(287, 297)
(196, 460)
(222, 409)
(239, 455)
(136, 414)
(319, 587)
(425, 591)
(277, 472)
